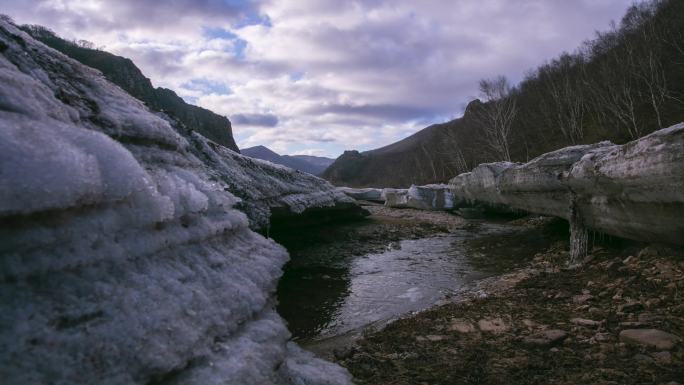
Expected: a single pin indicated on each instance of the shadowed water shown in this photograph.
(322, 296)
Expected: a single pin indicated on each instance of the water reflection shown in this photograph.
(322, 296)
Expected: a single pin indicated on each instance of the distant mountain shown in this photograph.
(311, 164)
(122, 72)
(319, 161)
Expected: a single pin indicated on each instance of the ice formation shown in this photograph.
(634, 191)
(123, 256)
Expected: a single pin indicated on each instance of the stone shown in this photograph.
(650, 337)
(493, 325)
(546, 338)
(631, 306)
(435, 338)
(664, 357)
(582, 298)
(462, 326)
(585, 322)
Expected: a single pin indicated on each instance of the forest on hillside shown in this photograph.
(625, 83)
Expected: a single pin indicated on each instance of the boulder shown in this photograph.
(126, 253)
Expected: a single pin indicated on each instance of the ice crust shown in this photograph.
(634, 191)
(123, 256)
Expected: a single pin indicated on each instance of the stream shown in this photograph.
(329, 289)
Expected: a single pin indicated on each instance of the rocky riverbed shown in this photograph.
(617, 319)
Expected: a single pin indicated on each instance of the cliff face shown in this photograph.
(633, 191)
(122, 72)
(123, 256)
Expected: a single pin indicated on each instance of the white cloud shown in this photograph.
(327, 75)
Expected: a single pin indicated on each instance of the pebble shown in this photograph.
(585, 322)
(649, 337)
(493, 325)
(462, 326)
(663, 357)
(582, 298)
(546, 338)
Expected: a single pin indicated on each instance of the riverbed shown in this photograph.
(344, 278)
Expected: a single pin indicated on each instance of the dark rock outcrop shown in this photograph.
(123, 256)
(123, 72)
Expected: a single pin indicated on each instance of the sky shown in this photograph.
(318, 77)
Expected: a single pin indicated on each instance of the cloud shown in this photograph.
(260, 120)
(327, 74)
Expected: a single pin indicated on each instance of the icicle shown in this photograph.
(579, 236)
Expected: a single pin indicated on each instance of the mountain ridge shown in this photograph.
(314, 165)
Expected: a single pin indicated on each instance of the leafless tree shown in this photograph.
(566, 106)
(496, 115)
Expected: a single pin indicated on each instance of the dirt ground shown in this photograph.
(617, 319)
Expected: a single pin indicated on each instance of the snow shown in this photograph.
(632, 191)
(123, 256)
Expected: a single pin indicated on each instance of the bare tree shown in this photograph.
(566, 106)
(496, 115)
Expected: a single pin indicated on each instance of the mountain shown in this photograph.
(624, 84)
(314, 165)
(319, 161)
(122, 72)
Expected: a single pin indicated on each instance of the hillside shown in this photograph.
(625, 83)
(314, 165)
(122, 72)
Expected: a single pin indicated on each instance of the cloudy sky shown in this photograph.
(321, 76)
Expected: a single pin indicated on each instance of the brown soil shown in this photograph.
(619, 287)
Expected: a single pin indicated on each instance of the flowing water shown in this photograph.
(322, 295)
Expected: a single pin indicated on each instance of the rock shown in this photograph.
(602, 337)
(435, 338)
(582, 298)
(462, 326)
(364, 194)
(632, 324)
(662, 357)
(126, 254)
(649, 337)
(585, 322)
(546, 338)
(631, 307)
(632, 191)
(493, 325)
(642, 358)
